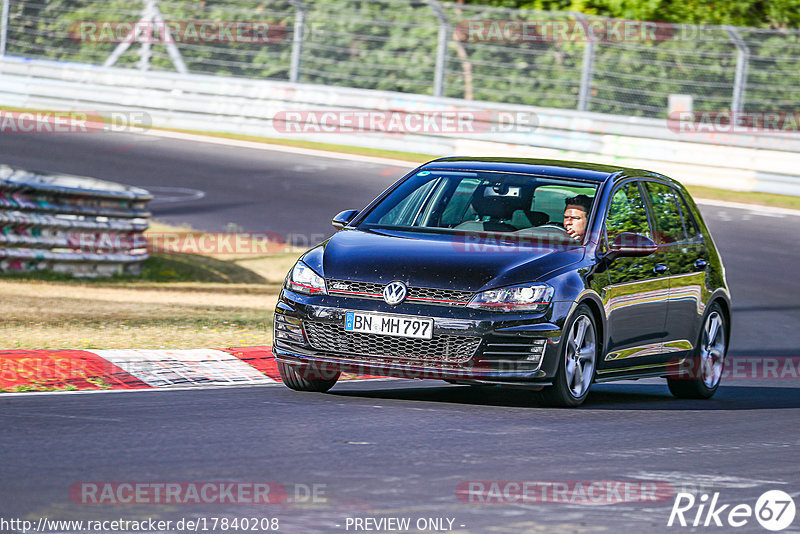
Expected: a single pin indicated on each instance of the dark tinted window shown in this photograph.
(627, 213)
(666, 212)
(692, 230)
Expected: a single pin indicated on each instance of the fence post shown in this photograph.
(146, 51)
(4, 27)
(587, 69)
(740, 77)
(298, 36)
(441, 48)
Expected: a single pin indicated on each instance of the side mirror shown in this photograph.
(628, 244)
(343, 218)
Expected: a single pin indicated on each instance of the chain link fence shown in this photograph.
(547, 59)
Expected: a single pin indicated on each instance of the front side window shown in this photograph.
(627, 213)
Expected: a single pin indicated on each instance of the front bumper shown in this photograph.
(467, 344)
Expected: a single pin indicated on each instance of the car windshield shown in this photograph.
(462, 201)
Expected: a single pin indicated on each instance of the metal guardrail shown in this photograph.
(765, 162)
(70, 224)
(559, 60)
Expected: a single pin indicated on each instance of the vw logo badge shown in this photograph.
(394, 293)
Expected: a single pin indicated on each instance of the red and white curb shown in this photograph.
(52, 370)
(163, 368)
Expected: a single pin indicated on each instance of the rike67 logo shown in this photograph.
(774, 510)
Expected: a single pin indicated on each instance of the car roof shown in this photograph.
(542, 167)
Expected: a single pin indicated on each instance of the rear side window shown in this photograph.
(692, 229)
(627, 213)
(666, 212)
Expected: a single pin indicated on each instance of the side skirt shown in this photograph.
(639, 371)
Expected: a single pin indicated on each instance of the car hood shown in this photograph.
(462, 262)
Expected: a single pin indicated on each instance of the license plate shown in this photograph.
(389, 325)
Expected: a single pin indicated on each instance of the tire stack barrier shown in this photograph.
(71, 224)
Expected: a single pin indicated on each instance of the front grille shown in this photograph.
(442, 348)
(422, 295)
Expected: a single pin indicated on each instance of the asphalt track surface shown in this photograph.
(400, 448)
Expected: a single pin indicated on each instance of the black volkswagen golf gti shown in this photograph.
(550, 274)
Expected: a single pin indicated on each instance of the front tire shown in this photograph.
(708, 361)
(305, 378)
(577, 361)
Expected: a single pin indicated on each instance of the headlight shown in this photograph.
(303, 280)
(522, 298)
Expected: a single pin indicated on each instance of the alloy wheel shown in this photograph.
(712, 350)
(580, 354)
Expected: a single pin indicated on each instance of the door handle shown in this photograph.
(660, 268)
(700, 264)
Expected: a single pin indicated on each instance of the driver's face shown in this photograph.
(575, 222)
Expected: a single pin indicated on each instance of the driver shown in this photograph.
(576, 215)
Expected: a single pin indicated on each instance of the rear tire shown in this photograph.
(577, 362)
(302, 377)
(702, 379)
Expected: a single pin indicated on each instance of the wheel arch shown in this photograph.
(599, 319)
(724, 303)
(595, 304)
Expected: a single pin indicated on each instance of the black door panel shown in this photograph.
(686, 256)
(636, 298)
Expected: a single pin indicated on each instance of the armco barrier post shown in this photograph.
(4, 27)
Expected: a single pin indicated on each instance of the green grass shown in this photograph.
(160, 268)
(196, 268)
(180, 301)
(761, 199)
(36, 386)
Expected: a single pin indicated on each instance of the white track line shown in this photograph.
(281, 148)
(14, 394)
